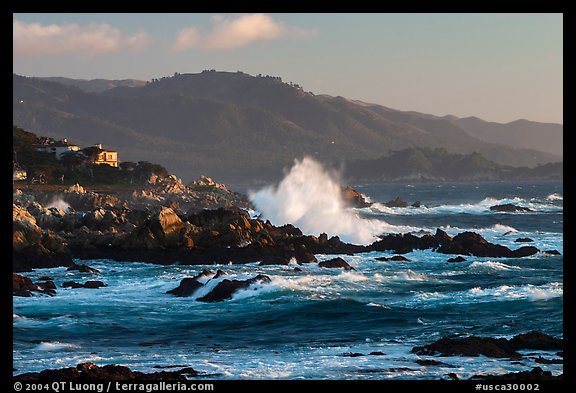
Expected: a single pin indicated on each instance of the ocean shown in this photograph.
(322, 323)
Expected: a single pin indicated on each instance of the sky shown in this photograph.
(499, 67)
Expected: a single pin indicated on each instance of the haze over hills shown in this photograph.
(241, 128)
(547, 137)
(95, 85)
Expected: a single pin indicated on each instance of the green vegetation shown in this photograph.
(75, 167)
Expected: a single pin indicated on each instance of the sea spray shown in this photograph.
(310, 198)
(59, 203)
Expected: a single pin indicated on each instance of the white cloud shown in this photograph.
(35, 39)
(236, 33)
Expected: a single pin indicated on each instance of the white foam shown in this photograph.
(410, 275)
(555, 197)
(309, 197)
(489, 266)
(59, 203)
(56, 346)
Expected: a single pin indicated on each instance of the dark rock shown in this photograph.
(354, 198)
(561, 354)
(83, 268)
(94, 284)
(220, 273)
(393, 258)
(457, 259)
(453, 376)
(21, 285)
(536, 374)
(442, 237)
(72, 284)
(377, 353)
(46, 278)
(551, 252)
(399, 258)
(64, 374)
(431, 362)
(469, 346)
(47, 285)
(336, 263)
(226, 288)
(187, 287)
(490, 347)
(416, 204)
(396, 202)
(508, 207)
(297, 269)
(523, 240)
(524, 251)
(470, 243)
(352, 354)
(536, 340)
(542, 360)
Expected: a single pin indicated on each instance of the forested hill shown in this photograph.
(237, 127)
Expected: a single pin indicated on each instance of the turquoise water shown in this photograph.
(302, 324)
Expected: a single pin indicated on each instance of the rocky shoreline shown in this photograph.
(202, 224)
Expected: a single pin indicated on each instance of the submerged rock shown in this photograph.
(509, 207)
(87, 284)
(83, 268)
(336, 263)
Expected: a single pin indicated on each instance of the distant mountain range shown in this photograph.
(422, 164)
(241, 128)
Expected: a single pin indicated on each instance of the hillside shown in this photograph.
(547, 137)
(416, 164)
(237, 127)
(95, 85)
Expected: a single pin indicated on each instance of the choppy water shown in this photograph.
(302, 324)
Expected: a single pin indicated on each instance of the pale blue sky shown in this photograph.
(500, 67)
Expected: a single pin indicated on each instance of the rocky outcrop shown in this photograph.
(83, 268)
(490, 347)
(33, 247)
(23, 286)
(336, 263)
(509, 207)
(397, 258)
(396, 202)
(227, 288)
(523, 240)
(224, 290)
(88, 284)
(456, 259)
(166, 235)
(189, 285)
(111, 372)
(470, 243)
(354, 198)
